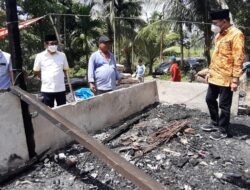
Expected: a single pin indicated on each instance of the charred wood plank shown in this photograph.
(163, 135)
(124, 128)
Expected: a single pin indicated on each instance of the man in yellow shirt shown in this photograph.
(224, 72)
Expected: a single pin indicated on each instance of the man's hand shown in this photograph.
(92, 88)
(207, 77)
(37, 74)
(119, 82)
(234, 86)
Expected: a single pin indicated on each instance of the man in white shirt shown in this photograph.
(6, 73)
(51, 65)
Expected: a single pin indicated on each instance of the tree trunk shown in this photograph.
(86, 50)
(128, 63)
(41, 31)
(118, 34)
(207, 46)
(182, 47)
(207, 33)
(151, 62)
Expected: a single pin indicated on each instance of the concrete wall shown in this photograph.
(191, 94)
(13, 147)
(94, 114)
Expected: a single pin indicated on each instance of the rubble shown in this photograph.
(126, 78)
(198, 163)
(71, 161)
(238, 179)
(126, 75)
(129, 81)
(120, 67)
(248, 141)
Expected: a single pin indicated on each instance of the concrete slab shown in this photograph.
(191, 94)
(13, 146)
(94, 114)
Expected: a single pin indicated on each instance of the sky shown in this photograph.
(148, 6)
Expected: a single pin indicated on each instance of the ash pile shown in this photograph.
(166, 141)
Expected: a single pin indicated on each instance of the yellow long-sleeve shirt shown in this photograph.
(227, 58)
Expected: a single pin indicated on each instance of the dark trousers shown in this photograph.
(50, 97)
(98, 92)
(225, 101)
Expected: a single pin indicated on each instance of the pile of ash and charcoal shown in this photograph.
(165, 141)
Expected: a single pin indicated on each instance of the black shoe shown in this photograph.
(218, 135)
(209, 128)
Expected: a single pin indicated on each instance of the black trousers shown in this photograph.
(225, 95)
(50, 97)
(99, 92)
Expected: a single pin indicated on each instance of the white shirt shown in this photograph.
(5, 68)
(51, 67)
(140, 70)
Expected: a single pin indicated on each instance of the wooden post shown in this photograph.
(16, 58)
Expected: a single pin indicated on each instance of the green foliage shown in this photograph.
(80, 34)
(148, 41)
(2, 17)
(147, 44)
(125, 29)
(77, 71)
(30, 44)
(85, 35)
(168, 77)
(174, 50)
(241, 16)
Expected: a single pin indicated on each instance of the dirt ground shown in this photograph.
(188, 161)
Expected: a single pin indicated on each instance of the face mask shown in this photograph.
(215, 29)
(52, 48)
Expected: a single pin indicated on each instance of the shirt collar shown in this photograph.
(227, 30)
(103, 53)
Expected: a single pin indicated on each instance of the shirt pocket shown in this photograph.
(225, 48)
(100, 63)
(3, 69)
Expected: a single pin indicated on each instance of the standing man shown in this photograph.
(174, 70)
(102, 71)
(224, 72)
(6, 73)
(51, 66)
(140, 71)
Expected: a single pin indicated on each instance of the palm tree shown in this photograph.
(84, 37)
(193, 10)
(241, 13)
(125, 27)
(148, 40)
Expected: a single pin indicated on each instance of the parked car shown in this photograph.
(196, 63)
(192, 63)
(162, 69)
(246, 67)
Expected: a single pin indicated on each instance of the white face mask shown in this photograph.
(52, 48)
(215, 29)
